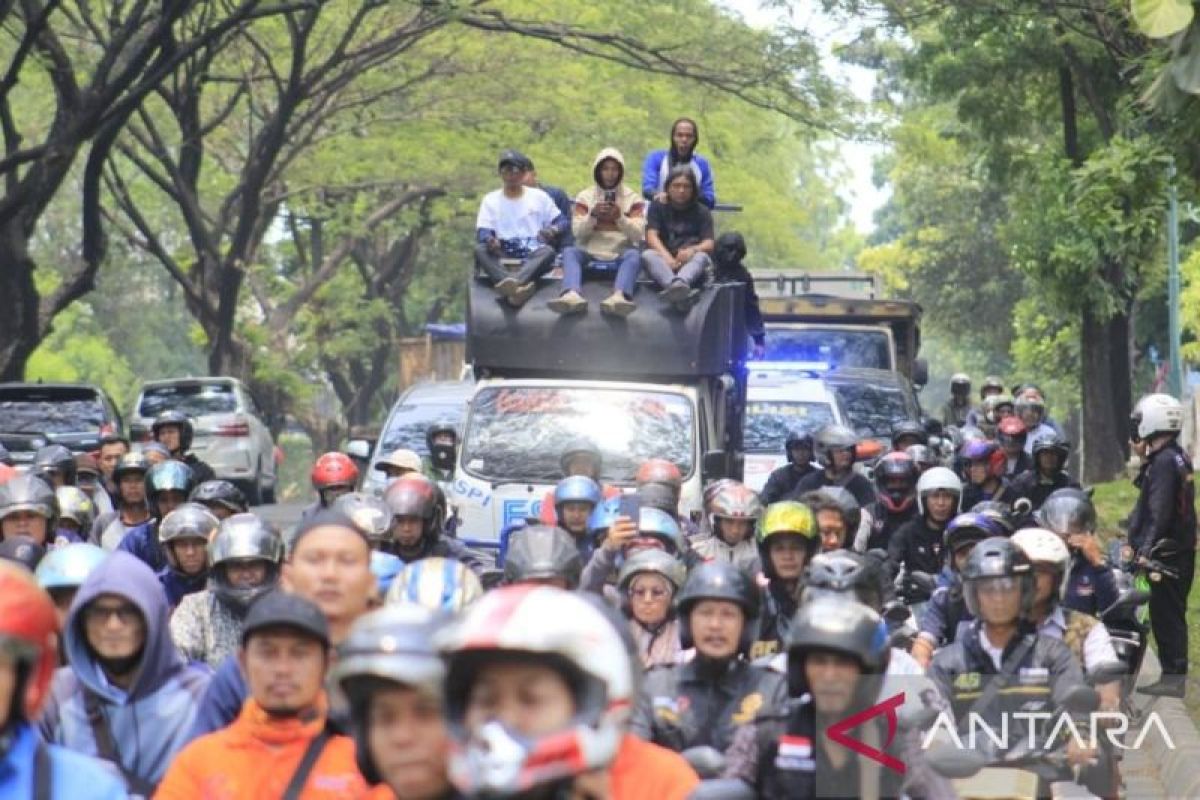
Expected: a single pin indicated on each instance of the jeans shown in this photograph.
(691, 273)
(535, 265)
(575, 260)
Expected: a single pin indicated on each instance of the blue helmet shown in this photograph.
(658, 524)
(439, 584)
(604, 515)
(168, 475)
(68, 567)
(385, 567)
(576, 489)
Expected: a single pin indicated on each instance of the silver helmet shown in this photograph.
(241, 538)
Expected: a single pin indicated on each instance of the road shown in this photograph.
(283, 516)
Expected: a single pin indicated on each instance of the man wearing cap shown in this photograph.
(399, 462)
(279, 745)
(517, 221)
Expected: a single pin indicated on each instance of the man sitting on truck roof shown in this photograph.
(609, 224)
(679, 239)
(516, 221)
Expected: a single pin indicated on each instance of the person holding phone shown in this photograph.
(609, 223)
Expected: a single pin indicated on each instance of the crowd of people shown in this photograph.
(159, 639)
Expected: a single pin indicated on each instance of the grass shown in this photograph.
(1114, 501)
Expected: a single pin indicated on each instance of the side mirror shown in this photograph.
(713, 467)
(359, 448)
(920, 373)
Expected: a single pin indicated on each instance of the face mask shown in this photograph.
(442, 456)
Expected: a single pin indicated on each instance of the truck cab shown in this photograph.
(657, 383)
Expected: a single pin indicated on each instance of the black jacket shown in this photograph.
(783, 480)
(728, 268)
(917, 547)
(854, 483)
(973, 495)
(1166, 505)
(1032, 486)
(201, 471)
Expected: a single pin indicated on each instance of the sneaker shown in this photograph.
(506, 287)
(618, 305)
(522, 294)
(568, 303)
(675, 293)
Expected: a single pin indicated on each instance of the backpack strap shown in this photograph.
(106, 748)
(304, 768)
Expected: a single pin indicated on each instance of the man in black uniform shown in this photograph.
(836, 448)
(173, 430)
(1164, 523)
(704, 701)
(782, 482)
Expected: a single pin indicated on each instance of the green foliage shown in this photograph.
(1159, 19)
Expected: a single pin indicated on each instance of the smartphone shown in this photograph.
(630, 506)
(610, 195)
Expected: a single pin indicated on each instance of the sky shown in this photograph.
(859, 192)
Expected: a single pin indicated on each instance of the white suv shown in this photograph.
(229, 431)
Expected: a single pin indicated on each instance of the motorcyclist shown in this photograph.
(1091, 585)
(703, 701)
(1029, 405)
(733, 516)
(798, 446)
(648, 582)
(370, 514)
(76, 515)
(174, 431)
(222, 498)
(333, 474)
(247, 557)
(992, 385)
(167, 487)
(416, 527)
(660, 472)
(787, 542)
(438, 584)
(618, 537)
(992, 411)
(184, 535)
(1163, 522)
(574, 500)
(896, 476)
(88, 479)
(923, 457)
(540, 712)
(838, 517)
(907, 433)
(1012, 435)
(62, 572)
(54, 464)
(983, 474)
(543, 554)
(28, 507)
(112, 447)
(131, 514)
(442, 440)
(1049, 470)
(956, 409)
(28, 657)
(917, 545)
(835, 446)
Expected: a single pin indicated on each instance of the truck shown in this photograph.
(837, 319)
(658, 383)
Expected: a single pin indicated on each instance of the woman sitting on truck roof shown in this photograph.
(679, 239)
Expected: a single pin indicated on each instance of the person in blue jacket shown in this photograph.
(28, 766)
(685, 135)
(167, 487)
(127, 695)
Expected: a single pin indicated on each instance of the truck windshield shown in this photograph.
(836, 347)
(768, 422)
(518, 433)
(873, 410)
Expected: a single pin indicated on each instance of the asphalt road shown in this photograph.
(283, 516)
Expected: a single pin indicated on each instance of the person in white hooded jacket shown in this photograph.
(609, 225)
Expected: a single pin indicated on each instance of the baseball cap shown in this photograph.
(514, 157)
(280, 609)
(401, 459)
(86, 462)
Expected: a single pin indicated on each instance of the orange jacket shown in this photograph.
(645, 771)
(255, 758)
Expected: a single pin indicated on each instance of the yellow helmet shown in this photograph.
(788, 516)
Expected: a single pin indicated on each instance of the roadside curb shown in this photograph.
(1176, 767)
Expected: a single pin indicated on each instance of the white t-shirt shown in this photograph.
(517, 221)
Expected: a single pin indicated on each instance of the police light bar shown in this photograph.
(789, 366)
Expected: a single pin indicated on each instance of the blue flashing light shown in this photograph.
(789, 366)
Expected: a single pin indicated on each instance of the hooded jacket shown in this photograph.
(177, 585)
(606, 241)
(149, 722)
(72, 775)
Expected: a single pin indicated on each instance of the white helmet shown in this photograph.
(1158, 413)
(439, 584)
(550, 626)
(1041, 546)
(936, 478)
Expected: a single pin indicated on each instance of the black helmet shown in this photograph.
(719, 581)
(578, 448)
(133, 461)
(178, 418)
(22, 550)
(839, 498)
(798, 437)
(542, 552)
(442, 455)
(997, 557)
(54, 458)
(392, 645)
(244, 537)
(28, 493)
(844, 572)
(438, 428)
(910, 428)
(1068, 511)
(837, 625)
(1052, 441)
(835, 437)
(220, 493)
(960, 380)
(971, 527)
(167, 476)
(369, 514)
(660, 496)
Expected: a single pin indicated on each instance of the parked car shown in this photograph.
(418, 408)
(230, 432)
(36, 414)
(780, 400)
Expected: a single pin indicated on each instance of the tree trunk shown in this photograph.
(18, 303)
(1105, 386)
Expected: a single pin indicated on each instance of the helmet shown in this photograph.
(660, 496)
(997, 557)
(798, 437)
(243, 537)
(909, 428)
(999, 512)
(835, 437)
(970, 528)
(75, 505)
(576, 489)
(922, 456)
(786, 518)
(414, 495)
(579, 448)
(992, 405)
(841, 499)
(989, 383)
(892, 467)
(1067, 511)
(87, 469)
(392, 644)
(658, 524)
(439, 428)
(55, 458)
(603, 516)
(935, 479)
(129, 463)
(1041, 546)
(332, 470)
(1011, 428)
(442, 454)
(987, 452)
(719, 581)
(439, 584)
(1030, 401)
(713, 489)
(27, 493)
(220, 493)
(28, 628)
(369, 514)
(573, 635)
(385, 567)
(401, 459)
(542, 552)
(1051, 441)
(68, 567)
(655, 561)
(844, 572)
(735, 501)
(174, 418)
(837, 625)
(189, 521)
(164, 477)
(960, 380)
(659, 470)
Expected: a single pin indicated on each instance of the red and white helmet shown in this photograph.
(334, 469)
(28, 626)
(554, 627)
